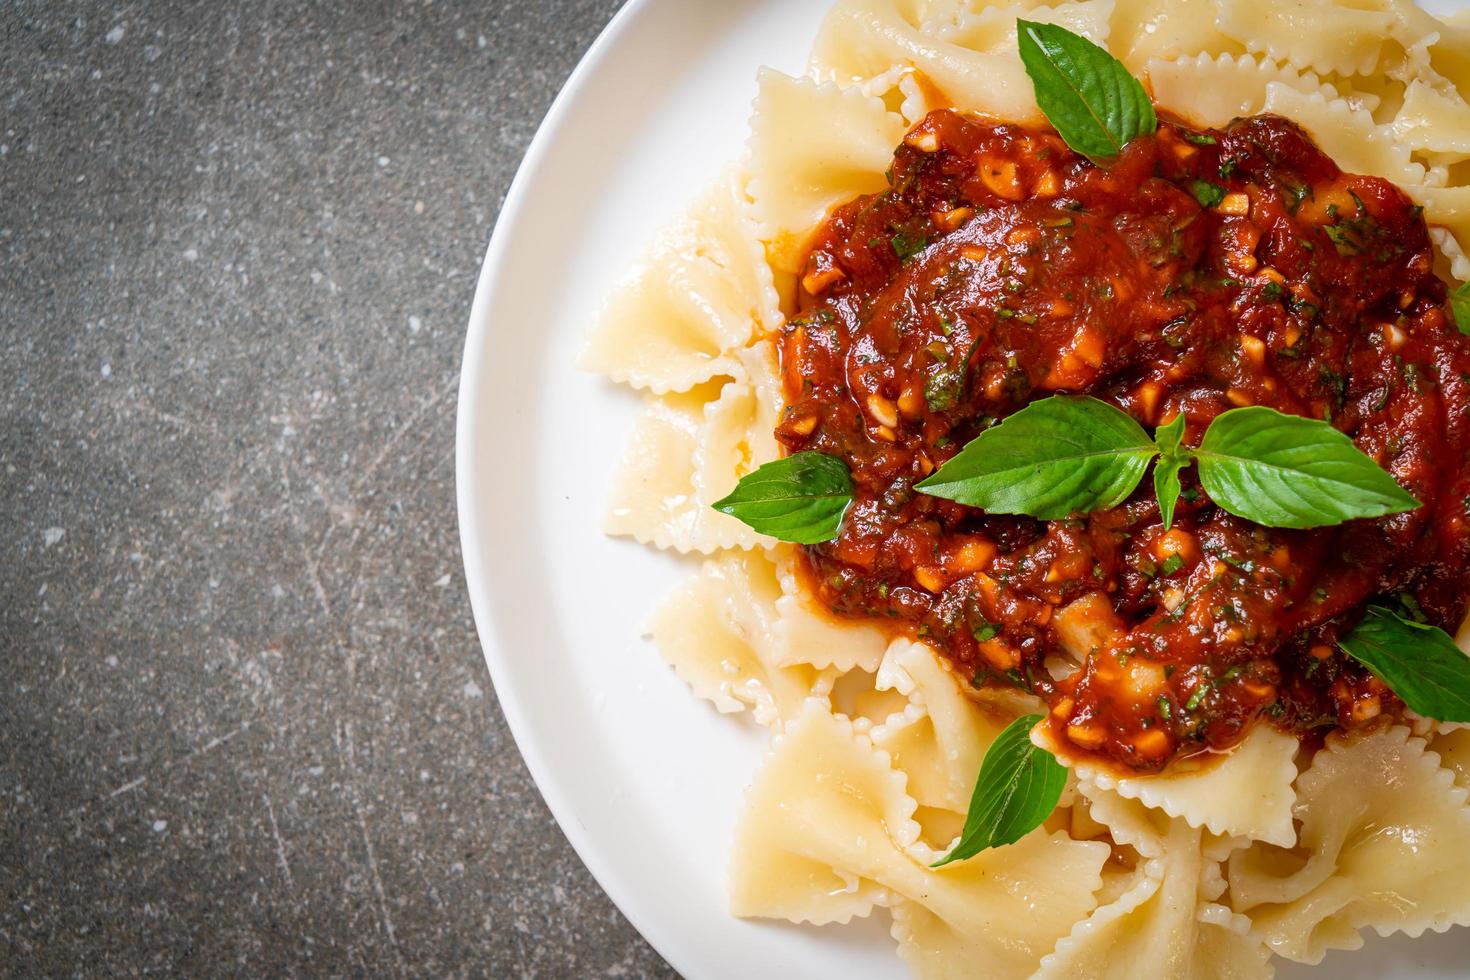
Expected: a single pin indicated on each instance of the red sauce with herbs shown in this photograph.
(1201, 271)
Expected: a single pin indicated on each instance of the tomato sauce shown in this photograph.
(1202, 270)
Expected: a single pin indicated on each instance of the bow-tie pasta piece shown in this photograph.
(992, 30)
(717, 631)
(1143, 30)
(1447, 209)
(1166, 919)
(1212, 90)
(1381, 846)
(806, 633)
(1291, 32)
(688, 451)
(702, 292)
(968, 62)
(813, 146)
(940, 739)
(828, 832)
(1247, 794)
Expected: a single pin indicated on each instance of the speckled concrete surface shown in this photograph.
(245, 728)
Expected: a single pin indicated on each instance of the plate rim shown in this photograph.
(477, 334)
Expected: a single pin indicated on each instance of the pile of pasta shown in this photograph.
(876, 742)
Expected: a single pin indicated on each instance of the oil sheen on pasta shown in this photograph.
(1201, 271)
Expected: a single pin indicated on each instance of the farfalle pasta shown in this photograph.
(1167, 917)
(1207, 867)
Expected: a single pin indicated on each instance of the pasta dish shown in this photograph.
(1069, 408)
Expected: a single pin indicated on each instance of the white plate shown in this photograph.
(645, 779)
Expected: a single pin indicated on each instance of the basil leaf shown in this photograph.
(1420, 663)
(1086, 93)
(1018, 788)
(1056, 457)
(1166, 485)
(1207, 194)
(1287, 471)
(801, 498)
(1460, 306)
(1171, 460)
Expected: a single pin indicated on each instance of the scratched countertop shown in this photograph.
(245, 726)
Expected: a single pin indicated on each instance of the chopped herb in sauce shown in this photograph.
(906, 246)
(1208, 194)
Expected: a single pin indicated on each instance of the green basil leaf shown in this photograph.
(1166, 485)
(1207, 194)
(1460, 306)
(801, 498)
(1086, 93)
(1419, 662)
(1287, 471)
(1018, 788)
(1171, 460)
(1056, 457)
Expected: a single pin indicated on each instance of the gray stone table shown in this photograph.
(245, 728)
